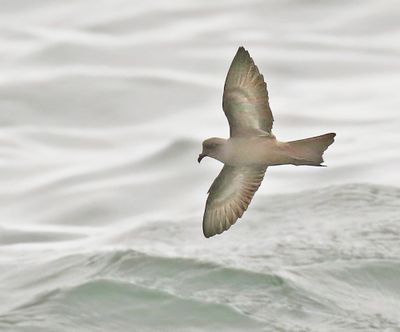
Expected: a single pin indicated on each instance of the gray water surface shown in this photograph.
(103, 107)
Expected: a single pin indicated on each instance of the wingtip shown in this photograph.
(242, 53)
(206, 234)
(210, 232)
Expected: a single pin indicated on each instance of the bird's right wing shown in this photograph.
(245, 100)
(229, 196)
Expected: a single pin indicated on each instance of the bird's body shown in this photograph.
(244, 151)
(267, 151)
(251, 147)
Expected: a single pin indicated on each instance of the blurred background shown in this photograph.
(103, 108)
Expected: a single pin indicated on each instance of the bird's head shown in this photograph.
(212, 148)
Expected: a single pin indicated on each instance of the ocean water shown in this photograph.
(103, 107)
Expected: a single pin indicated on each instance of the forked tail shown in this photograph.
(309, 151)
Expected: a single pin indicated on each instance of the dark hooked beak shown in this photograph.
(201, 156)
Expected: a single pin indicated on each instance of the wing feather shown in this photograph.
(229, 196)
(245, 100)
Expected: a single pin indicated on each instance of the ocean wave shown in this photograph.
(109, 304)
(10, 236)
(119, 286)
(112, 283)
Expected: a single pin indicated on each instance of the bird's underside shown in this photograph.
(251, 148)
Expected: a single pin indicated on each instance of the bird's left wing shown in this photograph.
(245, 100)
(229, 196)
